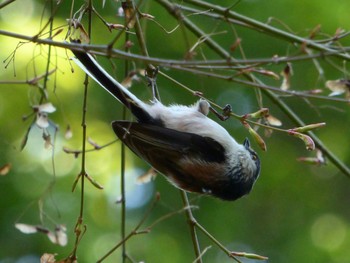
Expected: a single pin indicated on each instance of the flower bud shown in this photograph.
(309, 143)
(249, 255)
(263, 112)
(93, 182)
(309, 160)
(316, 160)
(255, 135)
(307, 127)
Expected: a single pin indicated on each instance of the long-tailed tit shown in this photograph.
(194, 152)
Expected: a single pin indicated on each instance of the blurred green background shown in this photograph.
(295, 213)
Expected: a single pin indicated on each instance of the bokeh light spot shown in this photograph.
(328, 232)
(18, 13)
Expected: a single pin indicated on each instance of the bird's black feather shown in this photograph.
(147, 141)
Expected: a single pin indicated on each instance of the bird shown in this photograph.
(192, 151)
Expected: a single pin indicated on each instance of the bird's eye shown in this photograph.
(254, 157)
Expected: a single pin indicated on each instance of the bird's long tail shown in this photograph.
(91, 67)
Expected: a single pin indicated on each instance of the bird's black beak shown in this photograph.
(246, 143)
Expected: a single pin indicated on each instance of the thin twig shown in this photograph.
(77, 152)
(260, 85)
(104, 50)
(215, 241)
(202, 254)
(5, 3)
(192, 223)
(166, 216)
(33, 81)
(223, 248)
(135, 231)
(226, 13)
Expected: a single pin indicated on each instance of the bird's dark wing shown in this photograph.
(191, 162)
(152, 143)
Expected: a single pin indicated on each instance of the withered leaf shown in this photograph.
(5, 169)
(339, 87)
(286, 73)
(147, 177)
